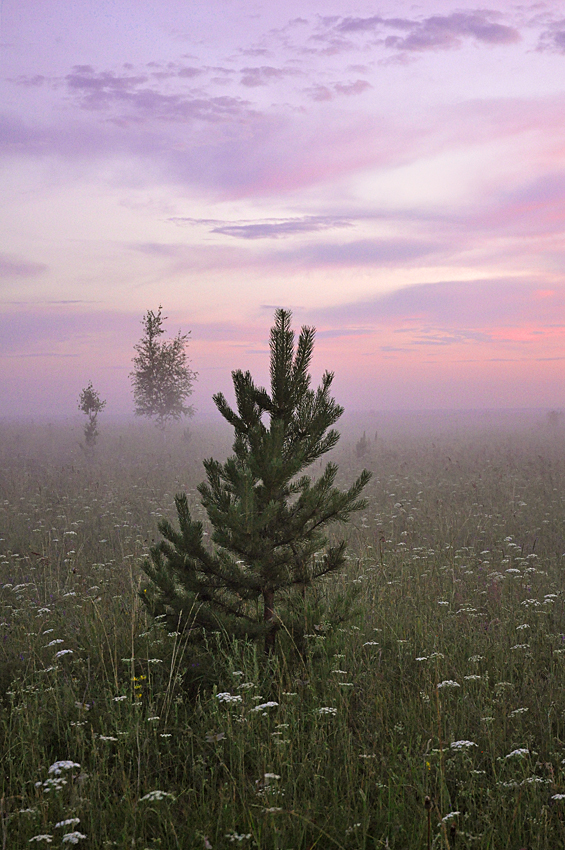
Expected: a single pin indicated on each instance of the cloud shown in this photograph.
(323, 92)
(129, 94)
(553, 39)
(28, 331)
(281, 227)
(189, 73)
(159, 249)
(11, 267)
(470, 305)
(263, 75)
(447, 31)
(363, 252)
(29, 82)
(357, 87)
(437, 32)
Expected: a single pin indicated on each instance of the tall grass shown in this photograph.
(435, 717)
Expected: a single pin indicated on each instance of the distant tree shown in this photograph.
(90, 404)
(162, 379)
(555, 418)
(268, 518)
(362, 446)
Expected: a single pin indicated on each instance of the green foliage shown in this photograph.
(161, 379)
(360, 734)
(269, 520)
(91, 405)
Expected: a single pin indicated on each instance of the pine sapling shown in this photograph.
(269, 519)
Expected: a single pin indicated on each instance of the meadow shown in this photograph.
(433, 717)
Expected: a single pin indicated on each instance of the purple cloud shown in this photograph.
(104, 90)
(10, 267)
(262, 75)
(358, 87)
(447, 31)
(364, 252)
(463, 305)
(274, 229)
(29, 82)
(431, 33)
(189, 73)
(321, 93)
(553, 39)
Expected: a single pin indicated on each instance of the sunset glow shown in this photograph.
(392, 173)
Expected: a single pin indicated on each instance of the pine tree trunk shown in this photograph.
(269, 617)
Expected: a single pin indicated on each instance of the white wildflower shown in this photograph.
(47, 838)
(59, 766)
(462, 745)
(72, 837)
(521, 752)
(157, 795)
(227, 697)
(264, 705)
(63, 652)
(68, 822)
(327, 710)
(448, 683)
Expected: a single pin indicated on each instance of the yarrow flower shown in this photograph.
(327, 710)
(462, 745)
(264, 705)
(157, 795)
(448, 683)
(519, 753)
(59, 766)
(68, 822)
(47, 838)
(72, 837)
(227, 697)
(63, 652)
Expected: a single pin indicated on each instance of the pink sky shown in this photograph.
(392, 172)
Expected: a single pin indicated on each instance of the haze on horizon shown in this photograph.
(392, 172)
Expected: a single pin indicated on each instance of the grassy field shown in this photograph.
(434, 718)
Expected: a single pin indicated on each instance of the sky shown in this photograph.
(392, 172)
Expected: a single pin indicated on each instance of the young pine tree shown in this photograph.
(269, 519)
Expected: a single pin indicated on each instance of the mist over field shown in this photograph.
(433, 715)
(392, 176)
